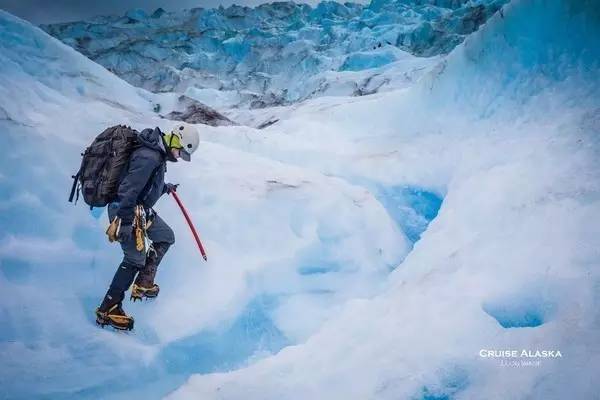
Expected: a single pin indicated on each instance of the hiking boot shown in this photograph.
(115, 317)
(138, 292)
(144, 285)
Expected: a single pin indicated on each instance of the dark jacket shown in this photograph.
(143, 180)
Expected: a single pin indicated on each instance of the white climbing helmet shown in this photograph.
(188, 137)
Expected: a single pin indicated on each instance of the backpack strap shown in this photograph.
(75, 187)
(77, 179)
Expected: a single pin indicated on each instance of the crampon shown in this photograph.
(115, 317)
(139, 292)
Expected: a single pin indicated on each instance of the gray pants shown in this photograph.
(162, 238)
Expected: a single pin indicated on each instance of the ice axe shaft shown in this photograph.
(190, 224)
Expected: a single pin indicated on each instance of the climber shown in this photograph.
(140, 186)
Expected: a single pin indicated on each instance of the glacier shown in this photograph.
(506, 127)
(359, 247)
(283, 239)
(277, 53)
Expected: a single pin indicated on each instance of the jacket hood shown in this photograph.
(152, 138)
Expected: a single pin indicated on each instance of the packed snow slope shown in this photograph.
(280, 52)
(508, 128)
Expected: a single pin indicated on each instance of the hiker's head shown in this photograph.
(182, 141)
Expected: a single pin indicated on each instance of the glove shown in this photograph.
(125, 233)
(170, 187)
(113, 229)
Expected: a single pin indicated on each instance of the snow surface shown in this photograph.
(325, 278)
(287, 246)
(277, 53)
(507, 129)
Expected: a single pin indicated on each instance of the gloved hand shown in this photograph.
(125, 233)
(171, 187)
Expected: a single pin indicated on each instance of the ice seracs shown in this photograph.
(281, 52)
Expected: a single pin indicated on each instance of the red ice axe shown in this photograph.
(190, 224)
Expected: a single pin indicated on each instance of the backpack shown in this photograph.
(102, 164)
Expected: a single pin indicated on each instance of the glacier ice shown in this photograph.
(264, 223)
(506, 130)
(281, 52)
(316, 277)
(529, 307)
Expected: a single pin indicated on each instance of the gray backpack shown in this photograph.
(100, 171)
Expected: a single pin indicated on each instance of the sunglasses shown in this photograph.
(174, 142)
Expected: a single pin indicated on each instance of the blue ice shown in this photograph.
(448, 382)
(412, 208)
(251, 334)
(527, 309)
